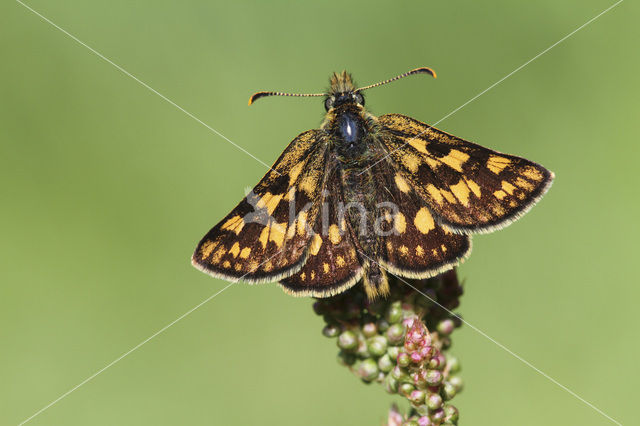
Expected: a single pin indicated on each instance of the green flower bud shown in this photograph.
(453, 364)
(437, 416)
(395, 334)
(434, 378)
(383, 325)
(423, 410)
(446, 326)
(348, 341)
(385, 364)
(368, 370)
(377, 346)
(397, 373)
(417, 397)
(456, 381)
(434, 401)
(405, 389)
(451, 414)
(346, 358)
(363, 349)
(331, 330)
(369, 329)
(448, 391)
(403, 359)
(393, 352)
(394, 313)
(391, 384)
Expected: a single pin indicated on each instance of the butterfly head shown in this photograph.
(342, 91)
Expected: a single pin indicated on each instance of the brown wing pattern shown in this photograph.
(468, 188)
(414, 245)
(265, 237)
(333, 264)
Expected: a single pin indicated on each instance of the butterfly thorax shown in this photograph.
(352, 131)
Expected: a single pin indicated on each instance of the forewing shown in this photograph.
(333, 264)
(413, 245)
(265, 237)
(468, 188)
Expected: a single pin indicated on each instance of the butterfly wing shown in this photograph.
(333, 264)
(468, 188)
(265, 238)
(413, 244)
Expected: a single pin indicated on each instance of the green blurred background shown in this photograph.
(106, 188)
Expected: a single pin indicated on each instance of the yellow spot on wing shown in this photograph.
(245, 252)
(455, 159)
(404, 250)
(301, 223)
(268, 266)
(237, 267)
(474, 187)
(532, 173)
(524, 184)
(218, 255)
(424, 221)
(290, 194)
(419, 145)
(269, 201)
(411, 162)
(295, 172)
(419, 251)
(308, 185)
(401, 183)
(497, 209)
(449, 196)
(325, 267)
(508, 188)
(334, 234)
(500, 194)
(313, 275)
(235, 224)
(497, 164)
(277, 232)
(400, 223)
(264, 236)
(435, 193)
(207, 248)
(340, 261)
(316, 242)
(226, 264)
(235, 249)
(444, 248)
(461, 191)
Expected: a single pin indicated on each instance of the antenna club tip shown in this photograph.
(427, 70)
(256, 96)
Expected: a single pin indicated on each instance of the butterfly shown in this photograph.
(364, 195)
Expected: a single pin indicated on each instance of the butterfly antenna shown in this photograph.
(423, 70)
(259, 95)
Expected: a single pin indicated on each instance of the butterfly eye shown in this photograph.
(328, 103)
(359, 98)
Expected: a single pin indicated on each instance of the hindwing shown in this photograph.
(333, 263)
